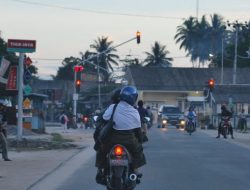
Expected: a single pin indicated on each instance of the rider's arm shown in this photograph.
(107, 114)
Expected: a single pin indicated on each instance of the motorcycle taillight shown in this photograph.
(85, 119)
(118, 150)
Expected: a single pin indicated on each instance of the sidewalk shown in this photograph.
(241, 139)
(29, 167)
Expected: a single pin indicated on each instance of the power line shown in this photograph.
(98, 12)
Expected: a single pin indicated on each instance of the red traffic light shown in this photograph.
(138, 37)
(78, 82)
(78, 68)
(78, 85)
(211, 84)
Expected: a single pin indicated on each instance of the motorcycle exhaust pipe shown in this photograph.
(133, 177)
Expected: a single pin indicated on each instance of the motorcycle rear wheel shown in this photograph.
(117, 183)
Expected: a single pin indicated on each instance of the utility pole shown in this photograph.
(235, 54)
(197, 10)
(99, 82)
(222, 59)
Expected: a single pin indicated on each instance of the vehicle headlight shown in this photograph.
(164, 121)
(182, 122)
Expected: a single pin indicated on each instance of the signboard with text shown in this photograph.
(12, 79)
(22, 46)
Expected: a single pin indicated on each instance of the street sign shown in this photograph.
(27, 103)
(27, 89)
(75, 96)
(27, 75)
(22, 46)
(12, 79)
(27, 61)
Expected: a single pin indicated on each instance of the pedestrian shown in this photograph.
(242, 124)
(3, 133)
(64, 120)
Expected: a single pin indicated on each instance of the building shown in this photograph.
(185, 86)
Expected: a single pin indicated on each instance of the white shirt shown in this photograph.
(126, 117)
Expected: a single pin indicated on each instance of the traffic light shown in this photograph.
(138, 37)
(78, 85)
(78, 68)
(211, 84)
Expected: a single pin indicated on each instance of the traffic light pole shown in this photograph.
(98, 64)
(74, 98)
(20, 98)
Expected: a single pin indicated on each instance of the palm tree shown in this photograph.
(107, 59)
(216, 30)
(158, 56)
(186, 33)
(199, 38)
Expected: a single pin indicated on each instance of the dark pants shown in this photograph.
(128, 140)
(3, 143)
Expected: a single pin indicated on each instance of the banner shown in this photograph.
(12, 79)
(4, 64)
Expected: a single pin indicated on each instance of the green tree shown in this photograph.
(66, 71)
(243, 47)
(105, 60)
(7, 55)
(158, 56)
(200, 38)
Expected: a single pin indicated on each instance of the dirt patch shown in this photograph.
(55, 142)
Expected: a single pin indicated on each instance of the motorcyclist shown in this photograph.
(127, 131)
(151, 116)
(225, 113)
(143, 113)
(191, 114)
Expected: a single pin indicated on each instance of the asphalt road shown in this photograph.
(178, 161)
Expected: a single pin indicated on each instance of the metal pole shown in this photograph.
(74, 98)
(20, 98)
(99, 81)
(235, 55)
(197, 10)
(222, 59)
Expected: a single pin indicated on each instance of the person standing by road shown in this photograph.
(242, 125)
(64, 120)
(3, 133)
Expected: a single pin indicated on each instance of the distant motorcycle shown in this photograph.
(225, 124)
(190, 125)
(119, 175)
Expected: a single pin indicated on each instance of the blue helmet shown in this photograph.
(129, 94)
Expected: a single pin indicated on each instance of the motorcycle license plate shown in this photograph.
(118, 162)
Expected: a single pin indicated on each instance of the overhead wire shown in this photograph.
(98, 12)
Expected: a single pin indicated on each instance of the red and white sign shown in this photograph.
(13, 43)
(12, 79)
(22, 46)
(27, 61)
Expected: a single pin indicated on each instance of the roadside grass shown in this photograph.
(56, 137)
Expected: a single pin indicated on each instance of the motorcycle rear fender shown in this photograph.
(118, 171)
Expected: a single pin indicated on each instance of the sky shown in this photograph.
(64, 28)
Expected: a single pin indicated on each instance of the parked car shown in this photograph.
(170, 115)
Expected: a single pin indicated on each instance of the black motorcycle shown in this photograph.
(120, 175)
(190, 126)
(225, 124)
